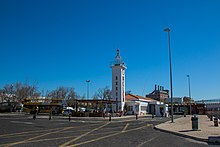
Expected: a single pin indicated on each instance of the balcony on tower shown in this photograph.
(118, 61)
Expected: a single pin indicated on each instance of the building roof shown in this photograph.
(131, 97)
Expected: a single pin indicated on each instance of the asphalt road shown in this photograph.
(24, 131)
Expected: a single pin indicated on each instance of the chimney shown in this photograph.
(155, 87)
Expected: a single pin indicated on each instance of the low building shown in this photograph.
(135, 104)
(211, 104)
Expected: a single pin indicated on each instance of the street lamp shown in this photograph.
(171, 85)
(87, 81)
(190, 107)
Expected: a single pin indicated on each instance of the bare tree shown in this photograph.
(19, 91)
(60, 92)
(103, 94)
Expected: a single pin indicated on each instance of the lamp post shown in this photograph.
(87, 81)
(190, 107)
(171, 82)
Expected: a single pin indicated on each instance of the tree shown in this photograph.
(71, 97)
(19, 91)
(103, 94)
(60, 92)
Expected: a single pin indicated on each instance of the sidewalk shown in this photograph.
(207, 132)
(122, 118)
(46, 116)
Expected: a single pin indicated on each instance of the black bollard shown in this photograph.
(69, 117)
(152, 115)
(136, 116)
(110, 117)
(211, 117)
(50, 116)
(216, 122)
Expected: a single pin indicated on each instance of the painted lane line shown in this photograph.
(31, 132)
(22, 122)
(23, 133)
(107, 136)
(65, 144)
(24, 141)
(146, 141)
(125, 127)
(41, 140)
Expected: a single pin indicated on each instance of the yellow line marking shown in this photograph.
(125, 127)
(29, 140)
(22, 133)
(146, 141)
(83, 135)
(67, 137)
(149, 125)
(31, 132)
(41, 140)
(106, 136)
(24, 141)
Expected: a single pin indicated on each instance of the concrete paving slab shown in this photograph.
(207, 132)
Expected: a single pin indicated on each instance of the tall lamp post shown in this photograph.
(87, 81)
(171, 81)
(190, 107)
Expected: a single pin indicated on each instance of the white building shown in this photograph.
(136, 104)
(118, 83)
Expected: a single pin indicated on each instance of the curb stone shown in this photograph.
(182, 135)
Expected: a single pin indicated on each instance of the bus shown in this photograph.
(43, 105)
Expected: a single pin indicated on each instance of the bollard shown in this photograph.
(50, 117)
(152, 115)
(184, 114)
(194, 120)
(211, 117)
(69, 117)
(110, 117)
(136, 116)
(216, 122)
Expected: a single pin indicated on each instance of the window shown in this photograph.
(143, 108)
(116, 83)
(116, 94)
(116, 88)
(116, 78)
(130, 108)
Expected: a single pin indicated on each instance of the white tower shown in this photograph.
(118, 83)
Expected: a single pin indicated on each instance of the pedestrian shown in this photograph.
(104, 111)
(34, 113)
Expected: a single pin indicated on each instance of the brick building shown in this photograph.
(159, 93)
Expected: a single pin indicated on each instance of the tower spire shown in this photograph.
(118, 59)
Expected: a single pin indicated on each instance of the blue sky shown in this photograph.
(65, 43)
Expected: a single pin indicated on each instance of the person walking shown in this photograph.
(35, 113)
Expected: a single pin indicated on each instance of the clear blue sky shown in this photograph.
(65, 43)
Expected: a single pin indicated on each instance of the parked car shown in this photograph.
(67, 112)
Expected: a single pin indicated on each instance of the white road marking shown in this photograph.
(125, 127)
(22, 122)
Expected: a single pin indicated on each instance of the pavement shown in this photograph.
(46, 116)
(182, 126)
